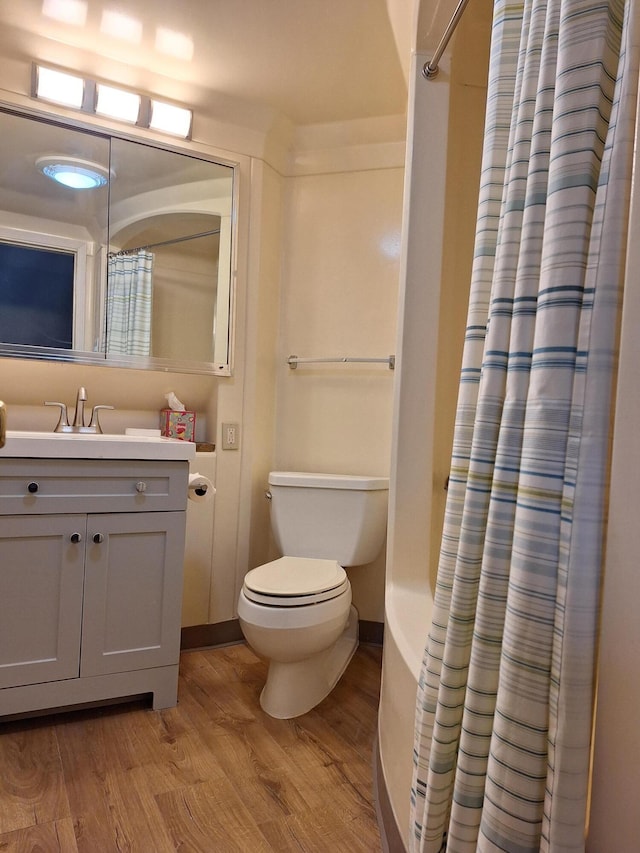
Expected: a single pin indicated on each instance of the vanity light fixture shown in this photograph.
(91, 96)
(168, 118)
(117, 103)
(59, 87)
(73, 172)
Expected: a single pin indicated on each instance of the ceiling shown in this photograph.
(313, 61)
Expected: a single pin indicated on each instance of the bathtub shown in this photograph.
(408, 611)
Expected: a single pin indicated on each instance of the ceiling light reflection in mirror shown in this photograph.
(120, 26)
(73, 172)
(72, 12)
(175, 44)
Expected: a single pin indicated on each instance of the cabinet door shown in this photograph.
(41, 579)
(133, 590)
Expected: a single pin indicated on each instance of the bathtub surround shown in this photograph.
(393, 839)
(441, 194)
(579, 726)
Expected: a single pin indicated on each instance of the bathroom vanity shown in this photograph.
(91, 550)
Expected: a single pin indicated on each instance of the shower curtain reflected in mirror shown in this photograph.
(129, 303)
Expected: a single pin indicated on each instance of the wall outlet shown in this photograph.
(230, 436)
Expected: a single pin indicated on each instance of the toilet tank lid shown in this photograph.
(327, 481)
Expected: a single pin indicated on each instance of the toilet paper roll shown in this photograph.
(200, 488)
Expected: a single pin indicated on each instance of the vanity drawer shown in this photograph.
(35, 486)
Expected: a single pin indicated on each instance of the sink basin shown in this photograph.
(72, 445)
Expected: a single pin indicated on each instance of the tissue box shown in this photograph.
(178, 424)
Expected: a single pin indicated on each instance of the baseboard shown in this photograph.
(371, 632)
(389, 834)
(227, 633)
(215, 634)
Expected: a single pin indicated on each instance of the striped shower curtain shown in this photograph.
(505, 697)
(129, 303)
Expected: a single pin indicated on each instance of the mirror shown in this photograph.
(134, 271)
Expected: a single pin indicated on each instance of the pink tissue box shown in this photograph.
(178, 424)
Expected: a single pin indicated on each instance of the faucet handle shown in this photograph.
(62, 420)
(94, 423)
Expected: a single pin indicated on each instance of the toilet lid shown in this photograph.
(292, 581)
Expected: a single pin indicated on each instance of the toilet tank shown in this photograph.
(329, 516)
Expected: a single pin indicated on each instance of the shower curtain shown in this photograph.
(129, 302)
(505, 697)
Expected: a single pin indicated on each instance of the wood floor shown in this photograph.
(214, 774)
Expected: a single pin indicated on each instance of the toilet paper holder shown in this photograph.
(200, 487)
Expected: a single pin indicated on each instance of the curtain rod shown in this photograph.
(430, 69)
(163, 243)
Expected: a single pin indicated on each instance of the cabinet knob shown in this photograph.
(76, 537)
(98, 538)
(141, 487)
(33, 488)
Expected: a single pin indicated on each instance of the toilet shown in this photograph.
(296, 611)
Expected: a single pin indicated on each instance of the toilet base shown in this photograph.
(293, 689)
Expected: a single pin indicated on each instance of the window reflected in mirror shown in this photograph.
(36, 296)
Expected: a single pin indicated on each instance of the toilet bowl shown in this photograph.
(309, 637)
(296, 611)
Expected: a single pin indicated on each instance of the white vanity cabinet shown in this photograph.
(91, 554)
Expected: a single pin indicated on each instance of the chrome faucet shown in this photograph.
(81, 399)
(78, 425)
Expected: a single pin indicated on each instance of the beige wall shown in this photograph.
(339, 295)
(183, 307)
(340, 273)
(408, 596)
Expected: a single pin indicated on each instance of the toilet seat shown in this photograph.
(295, 582)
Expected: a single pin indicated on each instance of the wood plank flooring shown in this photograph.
(214, 774)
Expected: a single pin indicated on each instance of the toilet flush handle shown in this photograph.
(268, 495)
